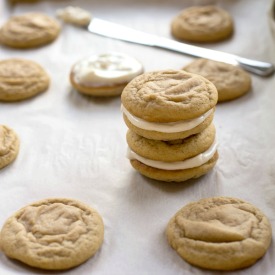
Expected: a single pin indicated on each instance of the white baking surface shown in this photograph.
(74, 146)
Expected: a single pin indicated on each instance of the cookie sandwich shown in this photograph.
(169, 115)
(220, 233)
(173, 160)
(104, 75)
(168, 105)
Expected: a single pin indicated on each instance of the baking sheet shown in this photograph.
(74, 146)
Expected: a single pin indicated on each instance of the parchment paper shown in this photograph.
(74, 146)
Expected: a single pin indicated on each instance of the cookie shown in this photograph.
(104, 74)
(21, 79)
(53, 234)
(220, 233)
(9, 146)
(176, 160)
(168, 105)
(230, 81)
(202, 24)
(75, 16)
(29, 30)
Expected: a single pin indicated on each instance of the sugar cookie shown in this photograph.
(230, 81)
(9, 146)
(168, 105)
(29, 30)
(53, 234)
(21, 79)
(104, 74)
(176, 160)
(220, 233)
(75, 16)
(202, 24)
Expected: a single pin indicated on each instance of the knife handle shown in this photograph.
(253, 66)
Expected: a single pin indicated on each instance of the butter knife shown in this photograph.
(117, 31)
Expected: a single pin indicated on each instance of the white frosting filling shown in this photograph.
(170, 127)
(106, 69)
(74, 15)
(177, 165)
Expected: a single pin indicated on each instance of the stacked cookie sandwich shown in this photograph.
(169, 115)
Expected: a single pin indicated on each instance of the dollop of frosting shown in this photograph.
(177, 165)
(106, 69)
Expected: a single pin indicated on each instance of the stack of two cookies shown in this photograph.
(169, 115)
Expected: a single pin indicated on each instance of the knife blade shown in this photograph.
(120, 32)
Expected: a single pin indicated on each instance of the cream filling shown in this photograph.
(106, 69)
(170, 127)
(75, 16)
(177, 165)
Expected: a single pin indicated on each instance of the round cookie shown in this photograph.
(29, 30)
(75, 16)
(230, 81)
(104, 74)
(176, 160)
(202, 24)
(21, 79)
(168, 105)
(220, 233)
(9, 146)
(53, 234)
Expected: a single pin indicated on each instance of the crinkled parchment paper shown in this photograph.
(74, 146)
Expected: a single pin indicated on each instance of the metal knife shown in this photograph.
(117, 31)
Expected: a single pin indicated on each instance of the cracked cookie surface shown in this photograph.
(168, 105)
(169, 96)
(21, 79)
(202, 24)
(9, 146)
(29, 30)
(53, 234)
(230, 81)
(220, 233)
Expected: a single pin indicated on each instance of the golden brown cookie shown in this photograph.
(53, 234)
(175, 160)
(167, 105)
(202, 24)
(9, 146)
(29, 30)
(75, 16)
(230, 81)
(104, 74)
(21, 79)
(220, 233)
